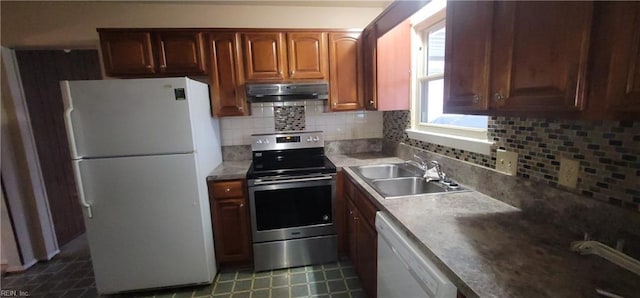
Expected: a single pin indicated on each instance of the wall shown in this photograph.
(74, 23)
(300, 115)
(608, 151)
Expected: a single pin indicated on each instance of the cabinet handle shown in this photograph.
(476, 98)
(241, 205)
(371, 101)
(498, 96)
(292, 72)
(335, 104)
(227, 190)
(163, 66)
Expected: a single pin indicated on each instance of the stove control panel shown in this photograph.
(287, 140)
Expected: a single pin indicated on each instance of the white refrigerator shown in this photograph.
(141, 150)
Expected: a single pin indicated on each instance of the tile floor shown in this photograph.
(70, 274)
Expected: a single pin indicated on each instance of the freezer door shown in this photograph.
(128, 117)
(147, 228)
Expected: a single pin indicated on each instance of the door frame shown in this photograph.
(33, 226)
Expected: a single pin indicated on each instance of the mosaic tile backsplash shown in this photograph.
(289, 118)
(608, 151)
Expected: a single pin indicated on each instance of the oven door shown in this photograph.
(290, 209)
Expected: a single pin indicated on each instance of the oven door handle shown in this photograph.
(260, 182)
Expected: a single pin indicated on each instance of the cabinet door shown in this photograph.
(227, 80)
(265, 57)
(540, 52)
(352, 232)
(231, 230)
(467, 56)
(369, 69)
(127, 53)
(344, 72)
(394, 68)
(181, 53)
(623, 86)
(308, 55)
(367, 244)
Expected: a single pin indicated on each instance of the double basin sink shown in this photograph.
(400, 180)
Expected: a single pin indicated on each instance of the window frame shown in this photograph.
(464, 138)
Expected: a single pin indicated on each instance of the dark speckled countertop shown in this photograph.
(487, 248)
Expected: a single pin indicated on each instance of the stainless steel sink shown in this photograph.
(386, 171)
(401, 180)
(407, 186)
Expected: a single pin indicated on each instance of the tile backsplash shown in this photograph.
(300, 115)
(608, 151)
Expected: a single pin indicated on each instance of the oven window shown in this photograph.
(293, 207)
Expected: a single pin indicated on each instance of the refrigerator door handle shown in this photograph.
(68, 124)
(80, 188)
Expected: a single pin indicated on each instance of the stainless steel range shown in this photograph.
(291, 196)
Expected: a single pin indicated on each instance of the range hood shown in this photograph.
(269, 92)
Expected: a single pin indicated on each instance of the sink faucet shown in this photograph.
(421, 163)
(438, 168)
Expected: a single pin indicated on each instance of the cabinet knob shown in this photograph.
(240, 108)
(163, 66)
(148, 66)
(335, 104)
(476, 98)
(371, 101)
(227, 190)
(241, 205)
(292, 72)
(498, 96)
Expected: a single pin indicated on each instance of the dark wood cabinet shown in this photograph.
(467, 56)
(127, 53)
(538, 56)
(231, 222)
(307, 53)
(141, 53)
(369, 68)
(615, 74)
(181, 52)
(362, 237)
(226, 76)
(265, 56)
(345, 72)
(393, 68)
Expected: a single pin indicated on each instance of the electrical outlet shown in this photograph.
(507, 162)
(568, 174)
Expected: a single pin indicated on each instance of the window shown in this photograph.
(429, 123)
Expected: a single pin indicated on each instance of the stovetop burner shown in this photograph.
(289, 154)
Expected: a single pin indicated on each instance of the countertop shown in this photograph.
(229, 170)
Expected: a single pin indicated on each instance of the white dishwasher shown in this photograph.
(403, 271)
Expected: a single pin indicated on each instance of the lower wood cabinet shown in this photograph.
(362, 237)
(231, 222)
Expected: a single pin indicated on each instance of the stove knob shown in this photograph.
(266, 141)
(309, 139)
(316, 138)
(259, 141)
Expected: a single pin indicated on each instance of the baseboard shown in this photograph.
(52, 254)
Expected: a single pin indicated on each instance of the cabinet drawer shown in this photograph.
(227, 189)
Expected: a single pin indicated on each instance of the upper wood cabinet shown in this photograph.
(181, 52)
(265, 56)
(345, 72)
(277, 56)
(369, 68)
(517, 56)
(393, 68)
(615, 73)
(132, 53)
(226, 76)
(127, 53)
(467, 56)
(307, 55)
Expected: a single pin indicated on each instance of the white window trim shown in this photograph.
(468, 139)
